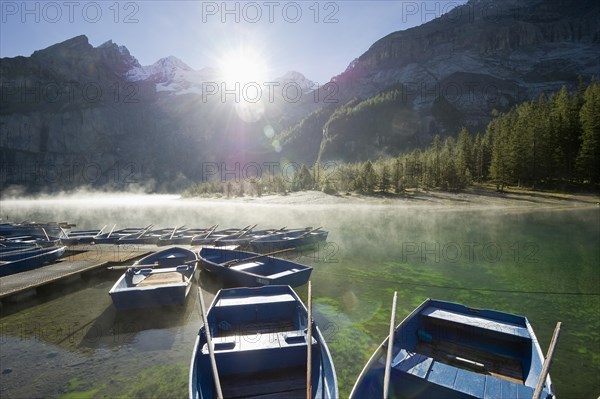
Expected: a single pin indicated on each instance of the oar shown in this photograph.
(150, 265)
(247, 231)
(145, 230)
(229, 262)
(238, 234)
(309, 231)
(276, 231)
(111, 230)
(388, 360)
(63, 231)
(546, 368)
(210, 232)
(100, 232)
(173, 233)
(309, 343)
(211, 350)
(46, 234)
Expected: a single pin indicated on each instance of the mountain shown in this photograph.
(73, 114)
(453, 71)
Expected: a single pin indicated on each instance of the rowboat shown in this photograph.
(23, 252)
(10, 245)
(289, 239)
(248, 269)
(446, 350)
(259, 336)
(163, 278)
(30, 260)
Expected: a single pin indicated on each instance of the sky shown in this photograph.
(318, 39)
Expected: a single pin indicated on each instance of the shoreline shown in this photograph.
(470, 198)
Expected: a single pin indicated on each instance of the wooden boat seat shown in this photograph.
(259, 352)
(283, 273)
(288, 383)
(244, 266)
(162, 279)
(502, 327)
(421, 364)
(255, 300)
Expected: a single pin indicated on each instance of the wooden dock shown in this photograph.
(78, 259)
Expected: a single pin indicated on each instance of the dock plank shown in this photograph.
(79, 259)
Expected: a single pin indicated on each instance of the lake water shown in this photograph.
(69, 341)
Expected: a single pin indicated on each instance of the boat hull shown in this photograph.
(160, 279)
(262, 271)
(148, 298)
(449, 351)
(31, 262)
(263, 354)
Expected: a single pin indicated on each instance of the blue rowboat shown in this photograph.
(23, 252)
(163, 278)
(29, 261)
(259, 337)
(290, 239)
(446, 350)
(248, 269)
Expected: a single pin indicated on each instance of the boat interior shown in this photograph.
(156, 277)
(467, 352)
(260, 347)
(467, 341)
(267, 269)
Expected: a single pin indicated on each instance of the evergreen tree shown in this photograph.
(588, 159)
(464, 159)
(368, 177)
(565, 118)
(397, 175)
(384, 181)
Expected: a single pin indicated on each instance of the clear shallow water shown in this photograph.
(70, 342)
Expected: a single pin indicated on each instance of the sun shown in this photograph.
(243, 67)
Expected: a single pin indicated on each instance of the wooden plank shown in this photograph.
(252, 329)
(503, 367)
(276, 383)
(162, 279)
(79, 259)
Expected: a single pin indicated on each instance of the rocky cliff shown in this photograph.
(454, 70)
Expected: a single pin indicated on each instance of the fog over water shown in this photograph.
(541, 262)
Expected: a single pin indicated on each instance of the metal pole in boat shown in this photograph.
(211, 350)
(309, 344)
(388, 360)
(546, 368)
